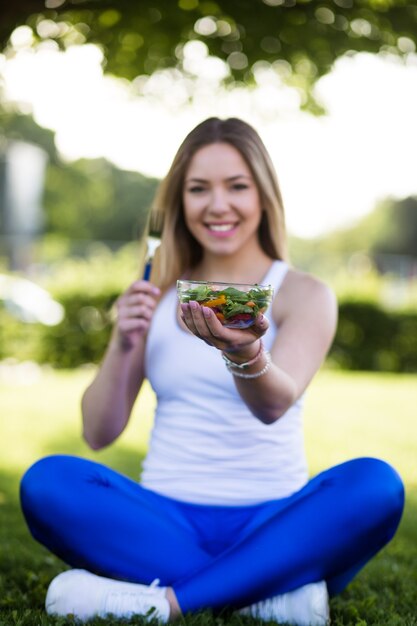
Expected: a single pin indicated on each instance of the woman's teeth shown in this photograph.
(221, 227)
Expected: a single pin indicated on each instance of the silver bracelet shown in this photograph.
(243, 366)
(256, 374)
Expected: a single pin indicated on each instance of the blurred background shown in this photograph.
(96, 97)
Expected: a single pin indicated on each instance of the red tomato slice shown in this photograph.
(240, 316)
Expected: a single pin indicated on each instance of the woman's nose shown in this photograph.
(218, 200)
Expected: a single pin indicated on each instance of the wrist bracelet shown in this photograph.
(256, 374)
(244, 366)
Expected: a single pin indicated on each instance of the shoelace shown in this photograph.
(267, 608)
(269, 603)
(121, 600)
(155, 583)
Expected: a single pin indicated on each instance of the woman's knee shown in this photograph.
(36, 478)
(380, 488)
(42, 482)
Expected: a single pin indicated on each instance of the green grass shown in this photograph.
(347, 415)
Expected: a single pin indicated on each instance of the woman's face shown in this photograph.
(221, 201)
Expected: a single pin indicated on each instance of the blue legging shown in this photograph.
(213, 556)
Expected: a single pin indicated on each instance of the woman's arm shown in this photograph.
(107, 403)
(306, 316)
(305, 310)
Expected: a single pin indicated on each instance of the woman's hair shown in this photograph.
(179, 250)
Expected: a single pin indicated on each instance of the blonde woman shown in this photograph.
(225, 515)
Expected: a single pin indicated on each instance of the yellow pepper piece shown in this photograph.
(216, 301)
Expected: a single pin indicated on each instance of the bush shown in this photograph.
(17, 340)
(83, 334)
(368, 337)
(80, 338)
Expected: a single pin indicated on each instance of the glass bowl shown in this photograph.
(236, 305)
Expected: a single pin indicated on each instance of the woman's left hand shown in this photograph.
(203, 323)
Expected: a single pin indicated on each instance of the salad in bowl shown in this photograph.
(235, 305)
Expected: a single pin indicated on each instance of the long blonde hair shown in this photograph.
(179, 250)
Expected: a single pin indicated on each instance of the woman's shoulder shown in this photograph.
(303, 290)
(299, 281)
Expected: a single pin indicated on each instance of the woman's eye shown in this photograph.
(239, 186)
(195, 189)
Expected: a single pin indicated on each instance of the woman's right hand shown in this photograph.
(134, 311)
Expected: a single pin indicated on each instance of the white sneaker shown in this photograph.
(84, 595)
(306, 606)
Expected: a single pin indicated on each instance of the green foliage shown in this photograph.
(87, 286)
(92, 199)
(391, 228)
(86, 200)
(302, 38)
(83, 334)
(398, 231)
(19, 127)
(18, 340)
(368, 337)
(385, 240)
(371, 338)
(99, 270)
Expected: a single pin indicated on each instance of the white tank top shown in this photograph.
(206, 446)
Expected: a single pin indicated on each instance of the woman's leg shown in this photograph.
(94, 518)
(326, 531)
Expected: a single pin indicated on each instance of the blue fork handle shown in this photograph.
(147, 270)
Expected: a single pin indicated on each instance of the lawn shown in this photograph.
(347, 415)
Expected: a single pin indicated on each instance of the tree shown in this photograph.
(89, 199)
(301, 38)
(19, 127)
(94, 200)
(397, 234)
(387, 235)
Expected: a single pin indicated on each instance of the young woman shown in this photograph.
(225, 515)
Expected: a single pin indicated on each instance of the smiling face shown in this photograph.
(221, 201)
